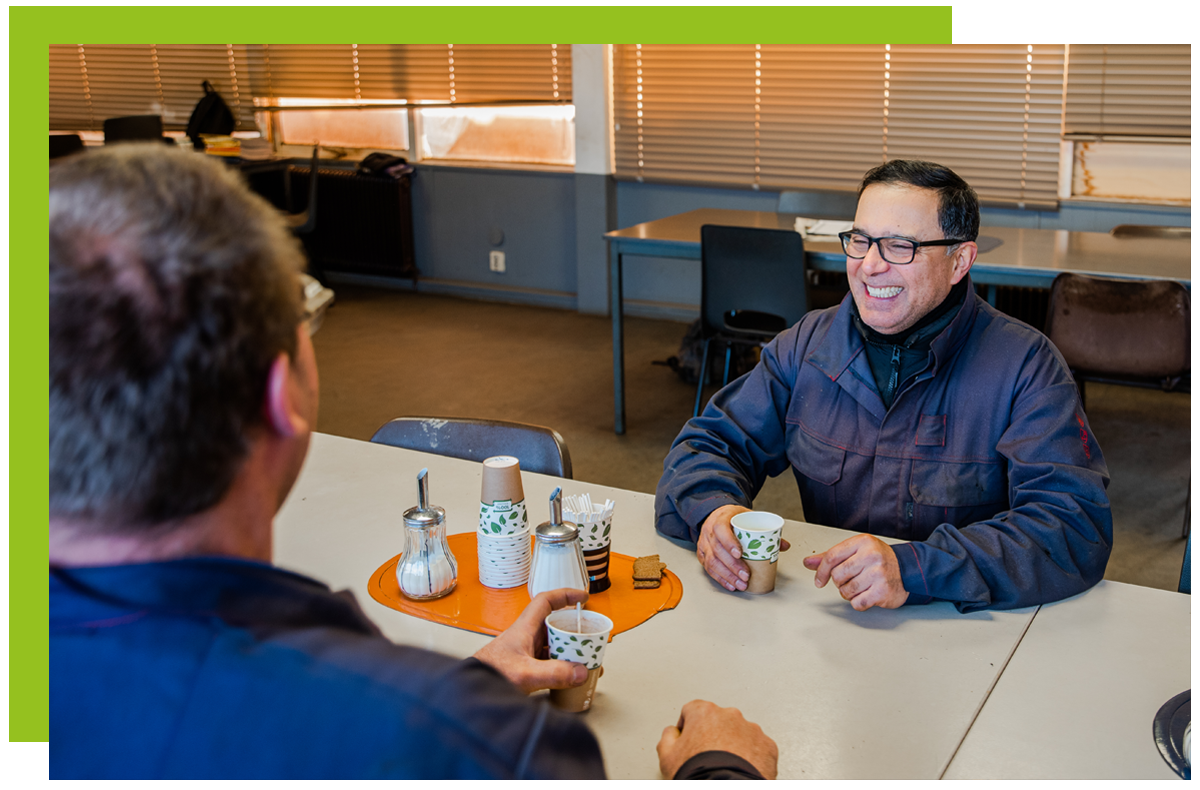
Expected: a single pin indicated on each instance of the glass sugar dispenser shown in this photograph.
(557, 553)
(428, 569)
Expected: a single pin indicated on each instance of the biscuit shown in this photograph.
(653, 584)
(647, 572)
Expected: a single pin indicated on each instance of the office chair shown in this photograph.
(1150, 232)
(752, 287)
(65, 145)
(818, 205)
(303, 222)
(540, 450)
(135, 128)
(1133, 332)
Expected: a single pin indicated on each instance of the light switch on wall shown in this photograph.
(496, 261)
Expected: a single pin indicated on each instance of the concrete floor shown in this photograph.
(383, 354)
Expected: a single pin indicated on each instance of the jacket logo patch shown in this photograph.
(1083, 437)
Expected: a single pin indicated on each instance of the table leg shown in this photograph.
(618, 333)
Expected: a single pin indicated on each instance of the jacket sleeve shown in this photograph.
(1055, 539)
(724, 456)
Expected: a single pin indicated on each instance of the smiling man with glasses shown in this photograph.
(913, 411)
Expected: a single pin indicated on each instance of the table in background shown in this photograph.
(1025, 257)
(844, 694)
(1078, 699)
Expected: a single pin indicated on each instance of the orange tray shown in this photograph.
(484, 610)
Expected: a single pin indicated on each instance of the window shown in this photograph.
(818, 117)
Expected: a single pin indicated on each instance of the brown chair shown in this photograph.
(1150, 232)
(540, 450)
(1133, 332)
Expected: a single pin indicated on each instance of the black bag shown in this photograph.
(211, 116)
(379, 164)
(691, 354)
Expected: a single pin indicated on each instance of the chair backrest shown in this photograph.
(818, 205)
(540, 450)
(1150, 232)
(65, 145)
(133, 127)
(751, 269)
(1134, 328)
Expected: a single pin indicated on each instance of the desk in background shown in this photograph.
(1024, 257)
(845, 694)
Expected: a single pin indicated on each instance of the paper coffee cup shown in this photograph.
(596, 563)
(579, 698)
(501, 480)
(580, 637)
(759, 534)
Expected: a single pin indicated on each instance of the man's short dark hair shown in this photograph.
(958, 205)
(172, 290)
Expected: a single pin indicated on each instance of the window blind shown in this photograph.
(818, 117)
(462, 73)
(89, 83)
(1129, 89)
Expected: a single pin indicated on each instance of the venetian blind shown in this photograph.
(1129, 89)
(462, 73)
(818, 117)
(89, 83)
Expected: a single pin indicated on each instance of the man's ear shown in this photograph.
(281, 412)
(964, 259)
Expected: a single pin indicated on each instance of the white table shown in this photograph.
(1078, 698)
(878, 694)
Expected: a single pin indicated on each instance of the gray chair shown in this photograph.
(540, 450)
(752, 287)
(1133, 332)
(818, 205)
(1150, 232)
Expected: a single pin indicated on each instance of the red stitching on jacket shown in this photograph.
(1083, 437)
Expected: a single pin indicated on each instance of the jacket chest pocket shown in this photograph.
(955, 493)
(819, 469)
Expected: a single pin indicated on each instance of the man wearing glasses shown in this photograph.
(913, 411)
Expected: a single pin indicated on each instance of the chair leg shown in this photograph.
(703, 374)
(728, 357)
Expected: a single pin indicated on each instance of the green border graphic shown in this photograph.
(33, 29)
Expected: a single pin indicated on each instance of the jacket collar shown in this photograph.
(239, 592)
(839, 354)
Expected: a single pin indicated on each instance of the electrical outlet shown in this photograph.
(496, 261)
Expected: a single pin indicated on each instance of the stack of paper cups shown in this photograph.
(595, 534)
(503, 540)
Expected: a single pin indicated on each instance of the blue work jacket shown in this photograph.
(985, 461)
(222, 668)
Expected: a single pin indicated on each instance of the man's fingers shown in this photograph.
(555, 674)
(833, 558)
(864, 600)
(784, 545)
(814, 561)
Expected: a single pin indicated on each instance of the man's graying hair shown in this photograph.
(958, 205)
(172, 290)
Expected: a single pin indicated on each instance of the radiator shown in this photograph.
(364, 223)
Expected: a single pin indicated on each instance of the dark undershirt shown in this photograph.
(894, 359)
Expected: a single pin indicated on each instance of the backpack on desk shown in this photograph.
(211, 116)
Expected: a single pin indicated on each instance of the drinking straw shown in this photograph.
(578, 618)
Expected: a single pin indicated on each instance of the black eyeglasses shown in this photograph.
(893, 249)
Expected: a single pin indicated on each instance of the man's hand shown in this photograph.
(705, 727)
(514, 653)
(719, 551)
(865, 570)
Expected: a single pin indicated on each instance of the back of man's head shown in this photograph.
(958, 205)
(172, 290)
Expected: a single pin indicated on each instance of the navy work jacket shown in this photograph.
(224, 668)
(985, 461)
